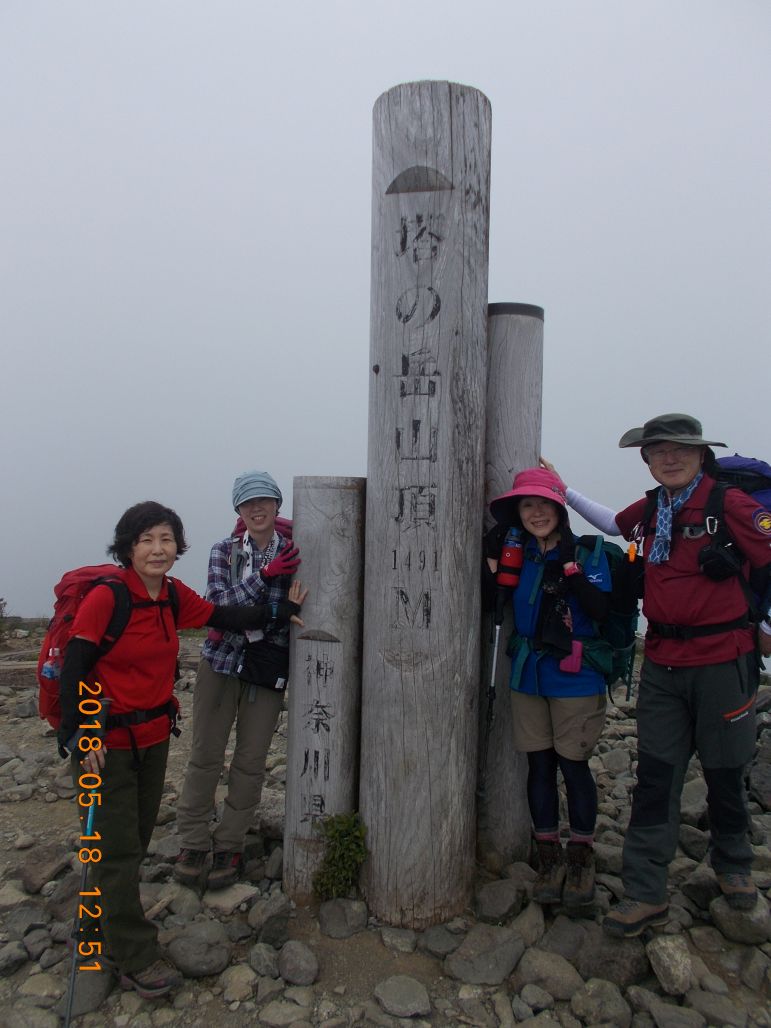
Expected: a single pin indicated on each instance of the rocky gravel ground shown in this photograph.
(249, 957)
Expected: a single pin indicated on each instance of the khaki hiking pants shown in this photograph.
(219, 701)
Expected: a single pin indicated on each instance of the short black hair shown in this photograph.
(138, 519)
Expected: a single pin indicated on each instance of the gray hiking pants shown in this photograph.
(218, 701)
(709, 710)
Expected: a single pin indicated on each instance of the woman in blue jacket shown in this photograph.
(557, 683)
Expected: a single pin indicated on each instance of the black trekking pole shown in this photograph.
(500, 603)
(93, 792)
(508, 569)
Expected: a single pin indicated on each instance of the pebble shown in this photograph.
(297, 963)
(747, 926)
(499, 901)
(342, 918)
(238, 983)
(549, 971)
(487, 955)
(439, 941)
(402, 940)
(42, 990)
(269, 986)
(403, 996)
(601, 1002)
(279, 1013)
(223, 902)
(671, 963)
(202, 949)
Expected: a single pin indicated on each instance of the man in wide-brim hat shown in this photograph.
(667, 428)
(700, 673)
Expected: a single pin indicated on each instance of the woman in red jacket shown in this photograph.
(137, 676)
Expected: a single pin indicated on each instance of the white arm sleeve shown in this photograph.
(600, 517)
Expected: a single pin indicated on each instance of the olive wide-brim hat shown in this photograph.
(668, 428)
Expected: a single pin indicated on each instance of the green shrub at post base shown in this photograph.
(344, 853)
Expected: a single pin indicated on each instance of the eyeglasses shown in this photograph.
(669, 453)
(258, 501)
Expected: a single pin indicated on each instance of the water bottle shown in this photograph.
(512, 557)
(53, 665)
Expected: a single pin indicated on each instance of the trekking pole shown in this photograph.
(92, 792)
(509, 567)
(500, 602)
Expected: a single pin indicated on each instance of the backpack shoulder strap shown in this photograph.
(713, 509)
(651, 503)
(717, 529)
(173, 599)
(591, 546)
(236, 553)
(121, 613)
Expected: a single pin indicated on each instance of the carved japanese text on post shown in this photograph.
(424, 495)
(317, 722)
(324, 710)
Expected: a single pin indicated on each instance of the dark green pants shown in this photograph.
(125, 819)
(708, 710)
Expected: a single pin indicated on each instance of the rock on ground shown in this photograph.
(402, 996)
(486, 956)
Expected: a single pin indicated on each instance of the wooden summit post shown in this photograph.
(513, 442)
(425, 493)
(325, 688)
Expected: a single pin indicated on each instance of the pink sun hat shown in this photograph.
(530, 482)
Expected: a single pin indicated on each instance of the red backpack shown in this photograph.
(70, 592)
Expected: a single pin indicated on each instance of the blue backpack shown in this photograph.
(753, 477)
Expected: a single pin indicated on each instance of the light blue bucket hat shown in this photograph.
(250, 485)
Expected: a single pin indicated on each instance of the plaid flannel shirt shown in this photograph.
(224, 654)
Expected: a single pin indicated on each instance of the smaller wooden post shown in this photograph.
(325, 686)
(513, 442)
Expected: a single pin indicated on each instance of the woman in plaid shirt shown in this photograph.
(241, 679)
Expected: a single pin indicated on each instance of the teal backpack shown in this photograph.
(619, 628)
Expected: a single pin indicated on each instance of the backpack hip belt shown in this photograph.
(141, 717)
(696, 631)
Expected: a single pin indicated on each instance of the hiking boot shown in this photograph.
(156, 980)
(189, 866)
(738, 889)
(547, 887)
(579, 881)
(226, 869)
(630, 917)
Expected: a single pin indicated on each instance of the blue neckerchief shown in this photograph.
(666, 512)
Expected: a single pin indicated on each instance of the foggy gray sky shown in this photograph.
(185, 210)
